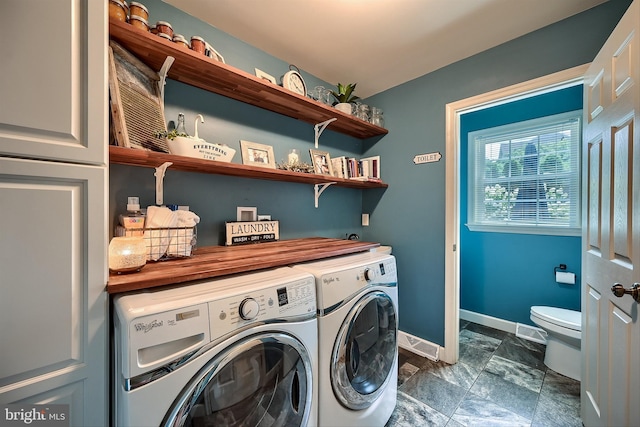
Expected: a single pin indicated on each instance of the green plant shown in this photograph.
(345, 93)
(170, 134)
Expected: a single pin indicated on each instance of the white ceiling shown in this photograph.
(378, 44)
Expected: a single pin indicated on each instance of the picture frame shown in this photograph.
(254, 154)
(321, 161)
(264, 76)
(212, 53)
(246, 214)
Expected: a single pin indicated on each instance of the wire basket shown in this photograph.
(164, 243)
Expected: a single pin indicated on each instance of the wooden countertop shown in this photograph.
(215, 261)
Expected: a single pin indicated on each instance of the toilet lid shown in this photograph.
(560, 316)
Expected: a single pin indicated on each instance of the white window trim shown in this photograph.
(520, 227)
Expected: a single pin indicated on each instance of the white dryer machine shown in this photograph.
(357, 338)
(236, 351)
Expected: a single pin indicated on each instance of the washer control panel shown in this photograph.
(338, 285)
(290, 300)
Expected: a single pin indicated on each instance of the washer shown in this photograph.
(241, 350)
(357, 338)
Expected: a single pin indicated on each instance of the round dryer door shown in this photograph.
(263, 380)
(365, 351)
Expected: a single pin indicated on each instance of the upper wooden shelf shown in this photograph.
(153, 159)
(205, 73)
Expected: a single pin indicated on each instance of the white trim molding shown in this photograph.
(454, 110)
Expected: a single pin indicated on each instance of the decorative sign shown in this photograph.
(241, 233)
(427, 158)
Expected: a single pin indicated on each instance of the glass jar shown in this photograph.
(139, 9)
(363, 112)
(164, 27)
(197, 44)
(139, 22)
(181, 41)
(318, 93)
(376, 117)
(127, 254)
(293, 157)
(118, 10)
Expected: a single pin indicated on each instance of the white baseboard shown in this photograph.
(492, 322)
(419, 346)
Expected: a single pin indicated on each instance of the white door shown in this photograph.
(53, 213)
(610, 389)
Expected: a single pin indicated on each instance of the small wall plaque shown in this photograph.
(427, 158)
(242, 233)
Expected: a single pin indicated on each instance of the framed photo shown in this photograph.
(212, 53)
(246, 214)
(255, 154)
(321, 162)
(264, 76)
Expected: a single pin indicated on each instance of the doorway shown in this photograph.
(454, 111)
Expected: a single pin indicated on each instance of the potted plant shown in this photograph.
(345, 97)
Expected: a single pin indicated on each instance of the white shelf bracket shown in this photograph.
(159, 173)
(319, 189)
(320, 127)
(168, 62)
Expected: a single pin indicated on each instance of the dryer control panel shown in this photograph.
(335, 286)
(291, 301)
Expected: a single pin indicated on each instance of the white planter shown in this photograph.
(200, 149)
(345, 107)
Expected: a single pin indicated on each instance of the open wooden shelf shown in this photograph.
(205, 73)
(152, 159)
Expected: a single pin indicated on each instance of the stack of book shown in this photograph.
(367, 169)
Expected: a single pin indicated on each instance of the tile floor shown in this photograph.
(500, 380)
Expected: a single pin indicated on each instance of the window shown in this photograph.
(525, 177)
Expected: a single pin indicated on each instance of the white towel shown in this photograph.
(158, 240)
(182, 238)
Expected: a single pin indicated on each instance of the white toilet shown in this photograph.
(563, 329)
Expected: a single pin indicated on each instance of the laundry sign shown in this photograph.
(427, 158)
(243, 232)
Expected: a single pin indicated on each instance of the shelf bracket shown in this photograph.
(159, 174)
(164, 70)
(320, 127)
(319, 189)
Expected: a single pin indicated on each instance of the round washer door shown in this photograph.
(365, 350)
(262, 380)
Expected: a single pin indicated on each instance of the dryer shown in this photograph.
(241, 350)
(357, 338)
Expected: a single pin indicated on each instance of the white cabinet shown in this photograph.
(53, 207)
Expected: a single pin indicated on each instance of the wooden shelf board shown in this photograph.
(152, 159)
(216, 261)
(197, 70)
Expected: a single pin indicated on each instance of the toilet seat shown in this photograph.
(562, 317)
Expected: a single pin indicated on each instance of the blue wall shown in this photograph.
(518, 268)
(409, 215)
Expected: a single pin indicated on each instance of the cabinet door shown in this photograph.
(53, 232)
(53, 304)
(54, 79)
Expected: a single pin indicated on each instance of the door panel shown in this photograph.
(611, 218)
(53, 90)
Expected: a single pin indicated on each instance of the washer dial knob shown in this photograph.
(369, 274)
(249, 309)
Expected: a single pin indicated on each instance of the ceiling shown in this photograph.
(378, 44)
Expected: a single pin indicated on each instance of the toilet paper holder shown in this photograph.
(563, 276)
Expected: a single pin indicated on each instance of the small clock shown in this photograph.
(293, 81)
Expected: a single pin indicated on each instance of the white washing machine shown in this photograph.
(357, 338)
(236, 351)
